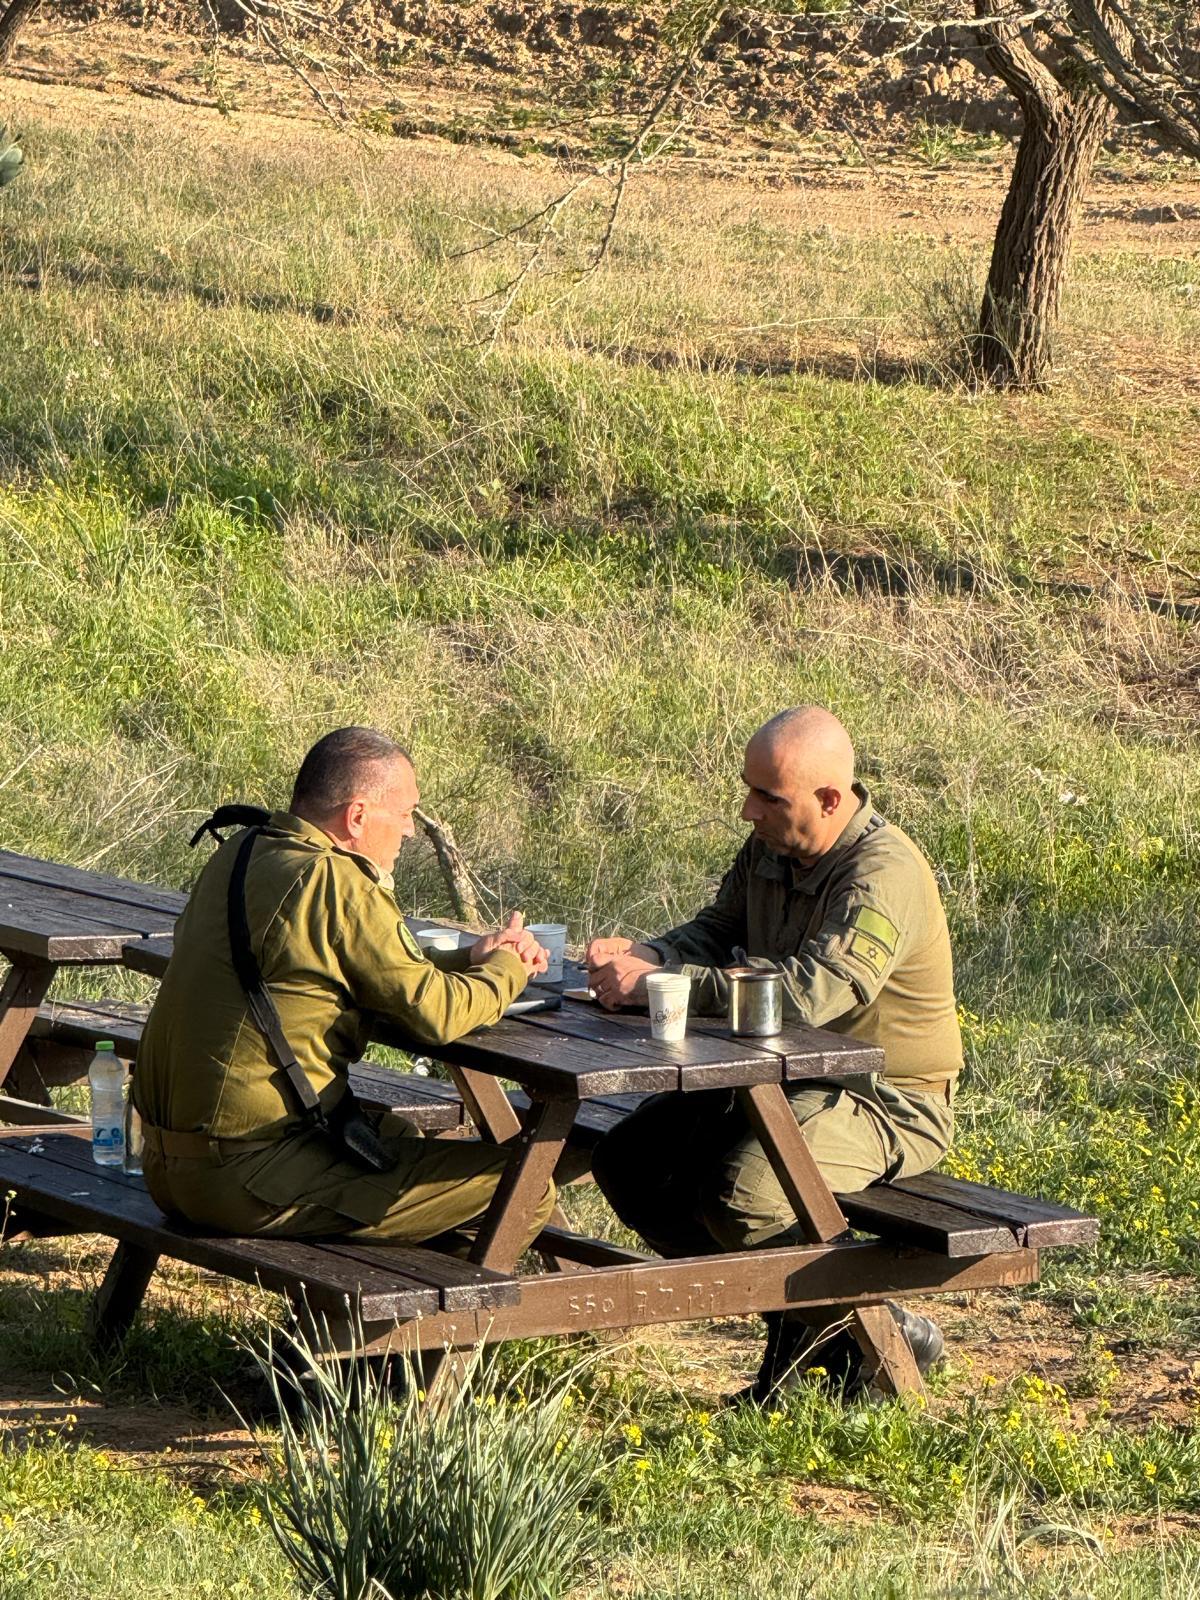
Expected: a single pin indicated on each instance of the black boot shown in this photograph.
(924, 1337)
(796, 1351)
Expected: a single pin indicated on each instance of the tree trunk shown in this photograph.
(1065, 120)
(13, 18)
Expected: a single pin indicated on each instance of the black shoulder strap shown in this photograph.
(230, 817)
(263, 1008)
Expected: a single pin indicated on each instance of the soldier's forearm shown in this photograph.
(702, 943)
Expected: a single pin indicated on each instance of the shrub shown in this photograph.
(473, 1493)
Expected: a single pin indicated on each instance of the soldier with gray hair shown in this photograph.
(845, 907)
(296, 915)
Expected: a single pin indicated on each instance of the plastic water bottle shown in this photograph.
(107, 1078)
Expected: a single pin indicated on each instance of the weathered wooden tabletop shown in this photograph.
(579, 1052)
(53, 915)
(51, 912)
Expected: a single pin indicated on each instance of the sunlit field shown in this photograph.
(263, 473)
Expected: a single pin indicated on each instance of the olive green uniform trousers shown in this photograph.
(687, 1173)
(306, 1186)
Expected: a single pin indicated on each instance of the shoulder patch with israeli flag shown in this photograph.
(874, 939)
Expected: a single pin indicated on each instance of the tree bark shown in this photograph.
(1065, 120)
(1151, 80)
(13, 18)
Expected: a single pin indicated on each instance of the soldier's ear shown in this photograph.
(830, 799)
(354, 818)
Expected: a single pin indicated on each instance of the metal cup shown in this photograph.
(755, 1002)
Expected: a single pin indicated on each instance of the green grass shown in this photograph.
(257, 481)
(77, 1523)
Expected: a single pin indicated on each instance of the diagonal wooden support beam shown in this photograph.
(25, 988)
(887, 1359)
(888, 1362)
(818, 1214)
(506, 1228)
(492, 1113)
(488, 1105)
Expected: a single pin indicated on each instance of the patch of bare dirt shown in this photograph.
(133, 1434)
(112, 74)
(835, 1505)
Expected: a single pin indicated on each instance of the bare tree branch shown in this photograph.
(454, 867)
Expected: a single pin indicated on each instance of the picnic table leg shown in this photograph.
(887, 1359)
(888, 1362)
(497, 1121)
(24, 989)
(120, 1295)
(506, 1225)
(817, 1211)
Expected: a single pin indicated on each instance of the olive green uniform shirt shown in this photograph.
(859, 937)
(332, 946)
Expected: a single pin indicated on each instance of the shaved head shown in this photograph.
(809, 743)
(799, 770)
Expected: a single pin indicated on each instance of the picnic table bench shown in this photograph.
(577, 1071)
(54, 916)
(60, 1190)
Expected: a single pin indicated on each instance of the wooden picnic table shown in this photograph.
(565, 1058)
(54, 916)
(561, 1059)
(578, 1069)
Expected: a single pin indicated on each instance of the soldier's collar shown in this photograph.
(807, 880)
(308, 833)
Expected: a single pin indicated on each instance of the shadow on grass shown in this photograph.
(116, 275)
(189, 1353)
(842, 365)
(899, 576)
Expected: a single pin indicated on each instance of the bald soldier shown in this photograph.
(844, 906)
(228, 1143)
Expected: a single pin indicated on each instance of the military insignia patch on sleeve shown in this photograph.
(870, 953)
(877, 926)
(411, 947)
(874, 939)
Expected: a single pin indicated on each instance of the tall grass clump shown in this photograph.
(476, 1492)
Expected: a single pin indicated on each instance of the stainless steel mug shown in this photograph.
(755, 1002)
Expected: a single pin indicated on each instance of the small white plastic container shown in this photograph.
(667, 998)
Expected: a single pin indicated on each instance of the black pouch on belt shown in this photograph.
(357, 1132)
(348, 1126)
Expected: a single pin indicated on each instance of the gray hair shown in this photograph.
(345, 763)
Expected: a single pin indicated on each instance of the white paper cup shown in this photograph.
(437, 939)
(667, 998)
(552, 936)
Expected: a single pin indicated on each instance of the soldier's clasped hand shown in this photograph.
(617, 970)
(514, 936)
